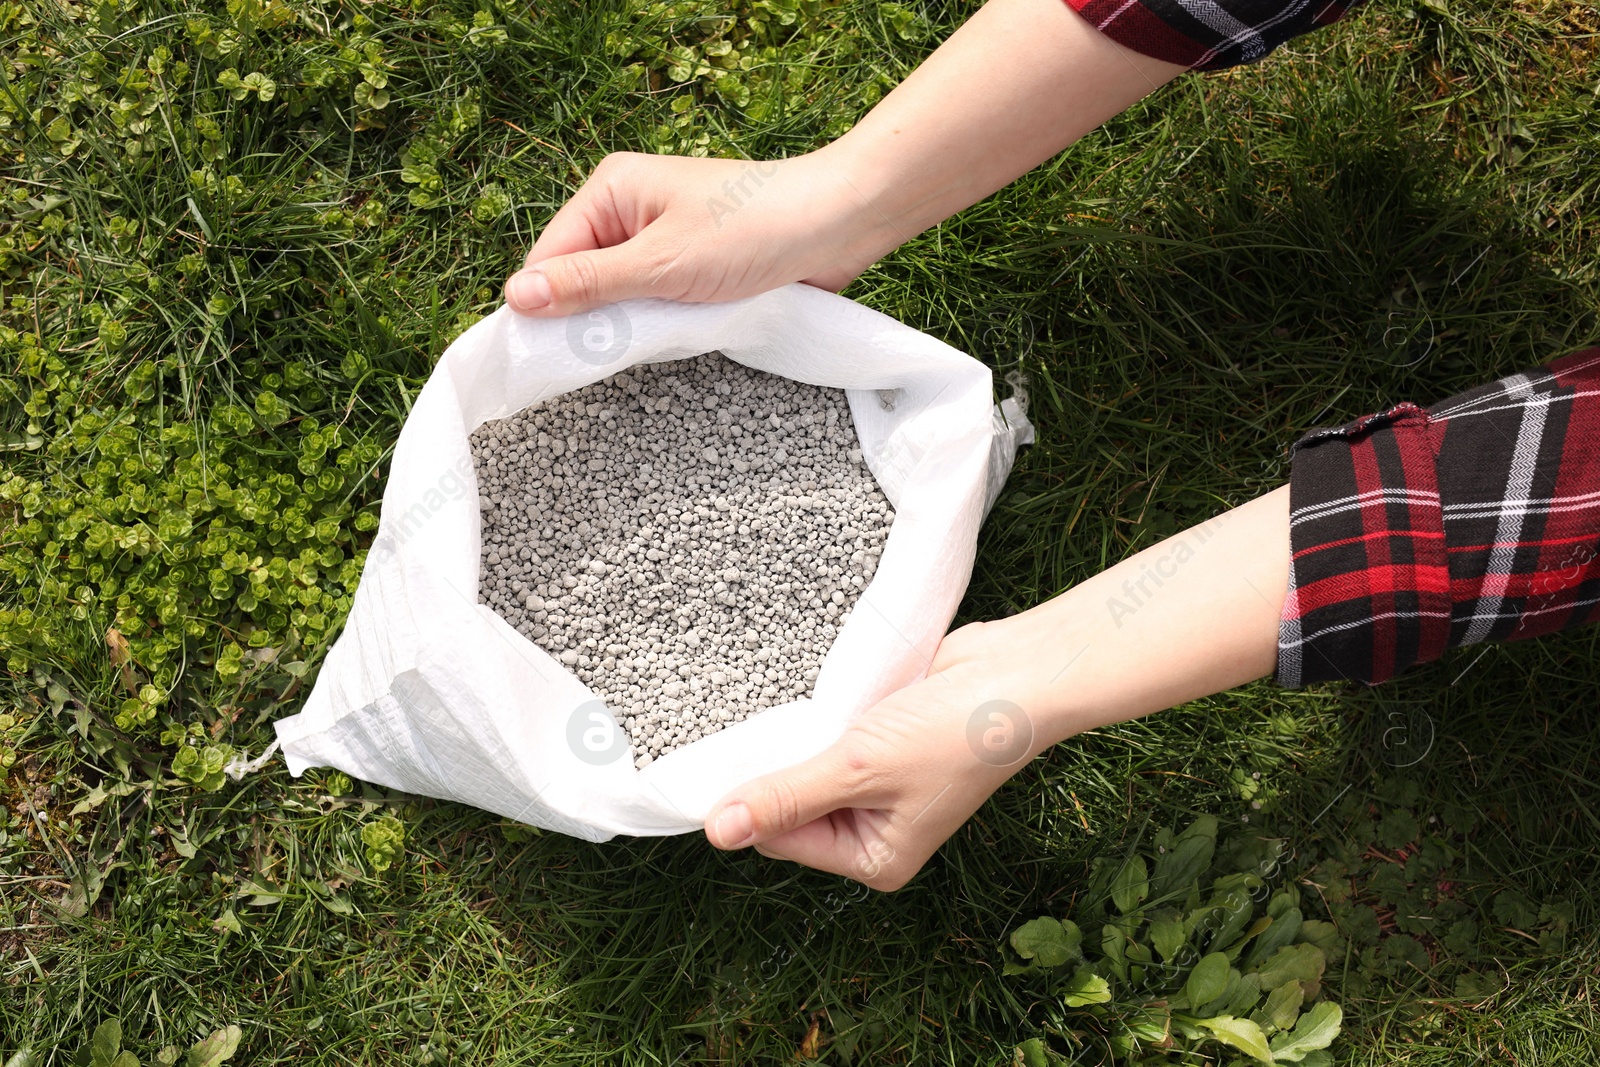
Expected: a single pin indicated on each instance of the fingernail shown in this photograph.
(734, 827)
(528, 291)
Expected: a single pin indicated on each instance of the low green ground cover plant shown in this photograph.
(104, 1049)
(1194, 948)
(233, 240)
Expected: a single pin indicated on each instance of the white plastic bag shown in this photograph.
(430, 692)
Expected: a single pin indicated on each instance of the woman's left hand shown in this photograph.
(901, 779)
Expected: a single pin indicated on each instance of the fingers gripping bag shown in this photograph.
(431, 692)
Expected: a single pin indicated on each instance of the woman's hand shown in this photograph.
(1017, 83)
(1193, 615)
(903, 777)
(699, 230)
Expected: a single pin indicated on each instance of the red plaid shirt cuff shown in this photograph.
(1414, 531)
(1208, 34)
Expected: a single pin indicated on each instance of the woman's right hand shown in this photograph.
(700, 230)
(1017, 83)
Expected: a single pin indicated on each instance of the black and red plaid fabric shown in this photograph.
(1416, 530)
(1208, 34)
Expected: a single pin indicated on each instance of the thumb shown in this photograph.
(785, 800)
(578, 281)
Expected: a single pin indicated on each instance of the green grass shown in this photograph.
(1395, 208)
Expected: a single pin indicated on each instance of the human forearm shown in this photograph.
(1194, 615)
(1017, 83)
(1396, 528)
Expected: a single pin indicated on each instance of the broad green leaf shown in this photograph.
(125, 1059)
(1241, 1034)
(1255, 930)
(1282, 1007)
(105, 1043)
(1234, 991)
(215, 1049)
(262, 894)
(1406, 949)
(338, 903)
(1285, 926)
(1184, 863)
(1324, 935)
(1398, 827)
(1131, 885)
(1100, 874)
(1204, 826)
(1514, 909)
(181, 844)
(1470, 986)
(1294, 963)
(1085, 987)
(59, 696)
(1231, 897)
(1031, 1053)
(1243, 996)
(1048, 942)
(1168, 936)
(97, 796)
(1150, 1025)
(1181, 866)
(1208, 980)
(1316, 1030)
(23, 1057)
(1112, 940)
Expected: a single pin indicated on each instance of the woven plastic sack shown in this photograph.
(429, 692)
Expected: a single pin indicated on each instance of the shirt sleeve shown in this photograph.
(1209, 34)
(1413, 531)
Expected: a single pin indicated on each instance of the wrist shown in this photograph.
(1023, 660)
(866, 196)
(1194, 615)
(1051, 675)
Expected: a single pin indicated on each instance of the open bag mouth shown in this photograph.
(431, 692)
(688, 538)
